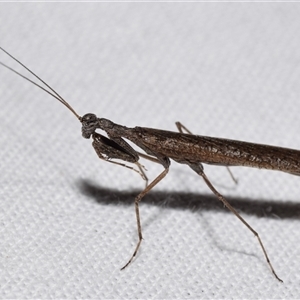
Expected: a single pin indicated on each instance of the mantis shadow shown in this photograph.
(191, 201)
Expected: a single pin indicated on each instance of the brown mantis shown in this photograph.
(185, 148)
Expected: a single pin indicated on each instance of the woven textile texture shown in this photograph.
(68, 223)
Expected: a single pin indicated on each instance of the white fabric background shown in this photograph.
(67, 219)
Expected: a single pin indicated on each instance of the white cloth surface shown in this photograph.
(68, 225)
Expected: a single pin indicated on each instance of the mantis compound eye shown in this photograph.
(89, 125)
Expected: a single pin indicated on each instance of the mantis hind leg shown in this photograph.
(198, 168)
